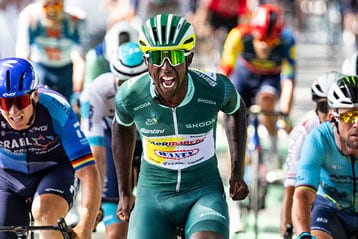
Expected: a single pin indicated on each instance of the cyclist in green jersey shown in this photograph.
(175, 110)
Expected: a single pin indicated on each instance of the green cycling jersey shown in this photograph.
(181, 137)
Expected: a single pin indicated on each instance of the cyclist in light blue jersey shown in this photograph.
(175, 110)
(325, 204)
(319, 91)
(43, 154)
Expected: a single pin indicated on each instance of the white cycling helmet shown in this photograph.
(321, 85)
(127, 61)
(118, 34)
(344, 93)
(349, 66)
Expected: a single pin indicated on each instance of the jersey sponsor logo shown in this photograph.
(176, 154)
(142, 106)
(15, 144)
(152, 131)
(206, 101)
(41, 128)
(200, 124)
(43, 141)
(185, 150)
(40, 145)
(9, 94)
(210, 77)
(176, 143)
(151, 121)
(213, 213)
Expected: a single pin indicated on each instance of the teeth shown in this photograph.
(16, 118)
(168, 81)
(168, 78)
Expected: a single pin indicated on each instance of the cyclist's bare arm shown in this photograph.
(286, 217)
(123, 144)
(236, 132)
(90, 200)
(301, 209)
(286, 97)
(99, 153)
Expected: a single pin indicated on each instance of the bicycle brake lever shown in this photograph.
(62, 225)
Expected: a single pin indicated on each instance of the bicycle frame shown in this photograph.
(254, 149)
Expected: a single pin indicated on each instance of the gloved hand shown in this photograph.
(75, 102)
(306, 235)
(284, 122)
(75, 99)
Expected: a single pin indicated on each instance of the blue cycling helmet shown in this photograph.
(17, 77)
(127, 61)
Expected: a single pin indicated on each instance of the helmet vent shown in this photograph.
(8, 87)
(164, 37)
(155, 34)
(191, 39)
(172, 33)
(21, 81)
(123, 38)
(271, 23)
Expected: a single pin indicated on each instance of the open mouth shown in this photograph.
(168, 82)
(16, 119)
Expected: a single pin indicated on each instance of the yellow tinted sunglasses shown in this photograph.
(349, 117)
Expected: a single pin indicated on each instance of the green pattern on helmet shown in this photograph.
(352, 80)
(166, 32)
(344, 94)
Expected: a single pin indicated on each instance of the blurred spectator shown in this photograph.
(9, 10)
(149, 8)
(54, 39)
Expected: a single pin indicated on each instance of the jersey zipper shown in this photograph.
(176, 130)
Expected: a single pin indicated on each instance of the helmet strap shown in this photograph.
(32, 118)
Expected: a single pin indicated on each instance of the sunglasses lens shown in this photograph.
(20, 102)
(349, 117)
(55, 6)
(174, 57)
(322, 107)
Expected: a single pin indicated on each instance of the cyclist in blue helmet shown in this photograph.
(97, 113)
(43, 155)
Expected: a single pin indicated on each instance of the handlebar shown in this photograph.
(283, 121)
(22, 231)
